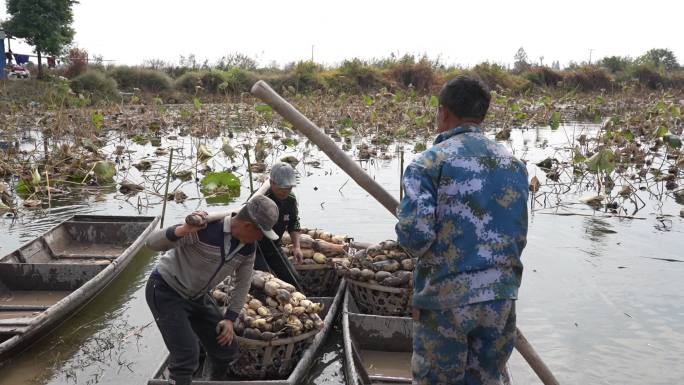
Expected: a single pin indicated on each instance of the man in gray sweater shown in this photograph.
(198, 258)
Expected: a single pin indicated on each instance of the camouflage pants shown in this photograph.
(466, 345)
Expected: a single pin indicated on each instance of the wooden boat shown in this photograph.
(332, 305)
(49, 279)
(377, 349)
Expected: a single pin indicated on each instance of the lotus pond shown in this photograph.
(601, 299)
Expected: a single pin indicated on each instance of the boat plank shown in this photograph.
(13, 329)
(14, 321)
(47, 276)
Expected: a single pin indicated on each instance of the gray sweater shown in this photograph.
(196, 263)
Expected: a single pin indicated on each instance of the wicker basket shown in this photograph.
(270, 360)
(318, 280)
(381, 300)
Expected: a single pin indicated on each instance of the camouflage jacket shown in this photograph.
(464, 215)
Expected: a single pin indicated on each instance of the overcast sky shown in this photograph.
(460, 32)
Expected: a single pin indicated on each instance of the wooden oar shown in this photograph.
(264, 92)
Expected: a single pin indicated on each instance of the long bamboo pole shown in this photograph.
(264, 92)
(249, 170)
(318, 137)
(166, 189)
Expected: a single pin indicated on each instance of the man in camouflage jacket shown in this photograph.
(464, 216)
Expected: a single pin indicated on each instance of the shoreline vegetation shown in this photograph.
(233, 75)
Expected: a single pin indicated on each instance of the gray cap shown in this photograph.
(283, 175)
(264, 214)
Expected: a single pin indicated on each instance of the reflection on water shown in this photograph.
(329, 369)
(99, 341)
(594, 303)
(596, 231)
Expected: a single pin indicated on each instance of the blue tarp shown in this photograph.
(2, 59)
(21, 59)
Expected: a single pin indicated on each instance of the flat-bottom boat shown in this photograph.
(377, 349)
(50, 278)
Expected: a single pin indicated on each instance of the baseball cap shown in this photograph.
(264, 214)
(283, 175)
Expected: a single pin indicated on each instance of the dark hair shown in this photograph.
(466, 97)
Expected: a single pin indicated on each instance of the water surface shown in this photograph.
(598, 301)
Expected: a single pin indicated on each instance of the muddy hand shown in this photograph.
(224, 331)
(298, 256)
(197, 219)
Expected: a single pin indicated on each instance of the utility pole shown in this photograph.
(590, 52)
(9, 49)
(312, 47)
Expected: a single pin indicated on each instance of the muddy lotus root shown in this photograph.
(273, 308)
(385, 263)
(317, 246)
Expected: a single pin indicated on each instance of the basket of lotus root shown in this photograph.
(321, 251)
(274, 328)
(381, 278)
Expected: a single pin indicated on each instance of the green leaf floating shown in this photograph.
(263, 108)
(660, 132)
(603, 160)
(347, 122)
(345, 132)
(225, 185)
(289, 142)
(98, 120)
(140, 140)
(555, 120)
(673, 140)
(105, 171)
(577, 157)
(24, 188)
(628, 135)
(89, 145)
